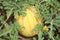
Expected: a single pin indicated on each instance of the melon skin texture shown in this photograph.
(28, 22)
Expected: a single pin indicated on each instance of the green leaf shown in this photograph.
(5, 31)
(40, 35)
(34, 38)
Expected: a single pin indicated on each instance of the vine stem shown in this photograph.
(52, 29)
(6, 19)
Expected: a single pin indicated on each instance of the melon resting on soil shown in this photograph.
(28, 22)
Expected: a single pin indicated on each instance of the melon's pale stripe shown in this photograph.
(33, 18)
(26, 26)
(28, 12)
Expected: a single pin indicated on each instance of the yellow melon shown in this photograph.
(28, 22)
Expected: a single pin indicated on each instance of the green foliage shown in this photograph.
(48, 10)
(34, 38)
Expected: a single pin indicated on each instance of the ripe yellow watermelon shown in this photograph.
(28, 22)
